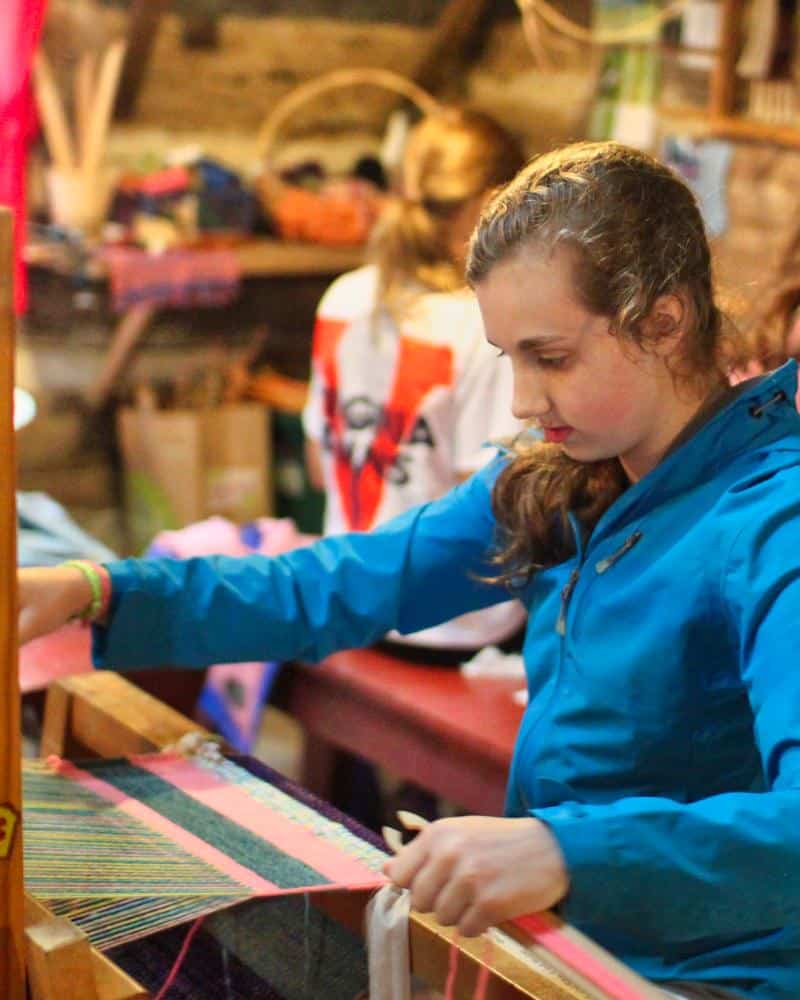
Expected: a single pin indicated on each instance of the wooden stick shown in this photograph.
(54, 120)
(12, 967)
(126, 336)
(102, 106)
(84, 82)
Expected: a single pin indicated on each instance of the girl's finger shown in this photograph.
(454, 900)
(473, 922)
(427, 884)
(403, 867)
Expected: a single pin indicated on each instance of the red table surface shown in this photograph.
(475, 712)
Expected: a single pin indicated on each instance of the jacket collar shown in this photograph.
(760, 414)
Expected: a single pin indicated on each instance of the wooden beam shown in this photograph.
(59, 961)
(454, 31)
(102, 713)
(12, 965)
(722, 85)
(142, 30)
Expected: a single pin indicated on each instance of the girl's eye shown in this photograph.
(500, 353)
(553, 362)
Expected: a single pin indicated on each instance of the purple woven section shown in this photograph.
(207, 972)
(272, 777)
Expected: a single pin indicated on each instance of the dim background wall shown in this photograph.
(219, 96)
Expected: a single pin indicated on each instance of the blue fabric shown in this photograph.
(47, 535)
(661, 742)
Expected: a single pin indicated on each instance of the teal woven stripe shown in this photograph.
(254, 852)
(292, 809)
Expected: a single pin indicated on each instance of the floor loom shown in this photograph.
(103, 715)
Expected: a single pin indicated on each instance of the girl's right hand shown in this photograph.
(49, 597)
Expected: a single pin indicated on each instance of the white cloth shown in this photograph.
(387, 944)
(493, 662)
(401, 413)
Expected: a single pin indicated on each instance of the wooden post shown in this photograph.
(143, 23)
(12, 966)
(60, 965)
(722, 85)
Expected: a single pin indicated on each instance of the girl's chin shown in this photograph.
(585, 451)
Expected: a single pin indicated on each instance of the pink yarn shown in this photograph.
(481, 983)
(176, 968)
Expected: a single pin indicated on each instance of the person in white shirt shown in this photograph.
(407, 399)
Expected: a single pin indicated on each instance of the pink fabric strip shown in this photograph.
(545, 931)
(188, 841)
(238, 807)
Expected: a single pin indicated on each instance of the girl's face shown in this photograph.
(590, 393)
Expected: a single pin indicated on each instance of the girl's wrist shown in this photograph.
(95, 593)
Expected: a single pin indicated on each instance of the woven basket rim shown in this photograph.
(269, 132)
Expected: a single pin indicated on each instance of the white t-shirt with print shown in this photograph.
(402, 414)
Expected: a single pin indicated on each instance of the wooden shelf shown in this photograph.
(275, 257)
(263, 257)
(733, 126)
(719, 118)
(740, 127)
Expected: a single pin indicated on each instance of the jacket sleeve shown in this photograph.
(343, 591)
(728, 864)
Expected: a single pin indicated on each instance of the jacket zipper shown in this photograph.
(566, 593)
(600, 567)
(567, 589)
(626, 546)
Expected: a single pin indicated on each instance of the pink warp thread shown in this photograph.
(176, 968)
(482, 981)
(452, 969)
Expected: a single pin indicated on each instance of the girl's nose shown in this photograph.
(530, 401)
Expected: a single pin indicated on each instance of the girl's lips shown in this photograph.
(555, 435)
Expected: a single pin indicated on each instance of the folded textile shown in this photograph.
(177, 278)
(493, 662)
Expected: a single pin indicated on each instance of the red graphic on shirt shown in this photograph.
(361, 480)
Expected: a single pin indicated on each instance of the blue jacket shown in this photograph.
(662, 738)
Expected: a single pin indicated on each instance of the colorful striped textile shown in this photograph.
(128, 847)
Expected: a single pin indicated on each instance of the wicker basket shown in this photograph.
(333, 218)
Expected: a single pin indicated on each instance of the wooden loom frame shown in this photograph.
(103, 714)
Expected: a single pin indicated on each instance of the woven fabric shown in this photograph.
(178, 278)
(170, 839)
(276, 949)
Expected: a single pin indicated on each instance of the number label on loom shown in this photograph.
(8, 826)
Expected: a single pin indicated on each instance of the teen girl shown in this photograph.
(405, 392)
(654, 795)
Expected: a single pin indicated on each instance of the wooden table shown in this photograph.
(451, 735)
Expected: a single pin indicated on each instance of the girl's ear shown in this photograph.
(666, 322)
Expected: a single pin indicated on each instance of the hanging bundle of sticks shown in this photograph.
(76, 151)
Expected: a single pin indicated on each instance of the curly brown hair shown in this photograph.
(635, 233)
(766, 336)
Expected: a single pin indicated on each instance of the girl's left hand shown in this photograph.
(476, 871)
